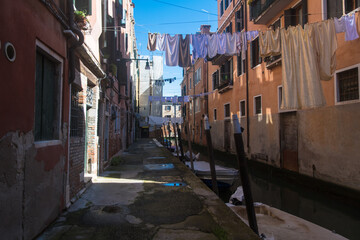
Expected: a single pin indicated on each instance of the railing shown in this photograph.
(257, 7)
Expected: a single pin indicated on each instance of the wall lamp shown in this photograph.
(147, 65)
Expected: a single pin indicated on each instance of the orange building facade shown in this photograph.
(318, 142)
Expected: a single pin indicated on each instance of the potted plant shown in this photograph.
(80, 19)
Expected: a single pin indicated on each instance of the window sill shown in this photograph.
(256, 66)
(347, 102)
(41, 144)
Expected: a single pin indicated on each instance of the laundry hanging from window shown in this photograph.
(177, 48)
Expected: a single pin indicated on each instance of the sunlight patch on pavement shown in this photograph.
(123, 180)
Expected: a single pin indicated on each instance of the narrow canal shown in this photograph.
(308, 204)
(333, 213)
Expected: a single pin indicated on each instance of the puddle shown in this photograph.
(164, 166)
(175, 184)
(155, 157)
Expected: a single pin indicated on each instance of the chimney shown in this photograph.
(205, 29)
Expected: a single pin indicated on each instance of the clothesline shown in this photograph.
(177, 99)
(308, 56)
(177, 48)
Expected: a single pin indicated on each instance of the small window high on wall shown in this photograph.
(84, 6)
(335, 8)
(347, 85)
(255, 58)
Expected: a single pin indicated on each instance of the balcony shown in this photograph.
(273, 61)
(262, 11)
(225, 84)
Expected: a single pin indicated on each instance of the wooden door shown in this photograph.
(289, 141)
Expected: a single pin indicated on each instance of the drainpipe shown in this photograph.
(77, 44)
(247, 86)
(71, 66)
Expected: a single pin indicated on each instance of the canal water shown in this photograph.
(308, 204)
(304, 202)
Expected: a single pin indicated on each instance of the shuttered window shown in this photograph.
(47, 98)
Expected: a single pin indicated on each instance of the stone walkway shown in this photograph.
(149, 195)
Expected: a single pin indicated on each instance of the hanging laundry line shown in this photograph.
(308, 56)
(177, 48)
(177, 99)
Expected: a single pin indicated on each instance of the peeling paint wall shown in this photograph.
(333, 154)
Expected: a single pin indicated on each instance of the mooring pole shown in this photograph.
(176, 142)
(169, 132)
(180, 142)
(211, 155)
(163, 134)
(190, 150)
(244, 174)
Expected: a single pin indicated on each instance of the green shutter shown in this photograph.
(38, 96)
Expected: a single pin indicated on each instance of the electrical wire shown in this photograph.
(187, 8)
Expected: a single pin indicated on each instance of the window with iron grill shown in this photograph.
(77, 115)
(348, 85)
(257, 106)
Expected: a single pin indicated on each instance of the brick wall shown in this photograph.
(77, 152)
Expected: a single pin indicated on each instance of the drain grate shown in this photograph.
(175, 184)
(163, 166)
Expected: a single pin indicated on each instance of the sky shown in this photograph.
(172, 17)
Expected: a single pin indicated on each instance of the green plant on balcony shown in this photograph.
(80, 19)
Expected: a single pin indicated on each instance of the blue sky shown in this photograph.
(163, 17)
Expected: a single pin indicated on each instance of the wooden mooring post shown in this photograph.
(176, 142)
(180, 142)
(211, 155)
(244, 174)
(189, 145)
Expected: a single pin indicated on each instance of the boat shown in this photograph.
(225, 177)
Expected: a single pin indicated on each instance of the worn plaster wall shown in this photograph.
(329, 144)
(264, 139)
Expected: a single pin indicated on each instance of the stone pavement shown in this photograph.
(149, 195)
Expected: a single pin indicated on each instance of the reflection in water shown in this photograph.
(304, 203)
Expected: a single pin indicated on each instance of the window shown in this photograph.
(83, 5)
(197, 76)
(227, 110)
(255, 58)
(335, 8)
(47, 94)
(239, 26)
(167, 108)
(215, 114)
(296, 15)
(347, 85)
(190, 83)
(215, 79)
(240, 65)
(197, 104)
(126, 42)
(226, 72)
(279, 97)
(184, 111)
(221, 7)
(276, 24)
(77, 115)
(242, 108)
(228, 29)
(184, 91)
(257, 105)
